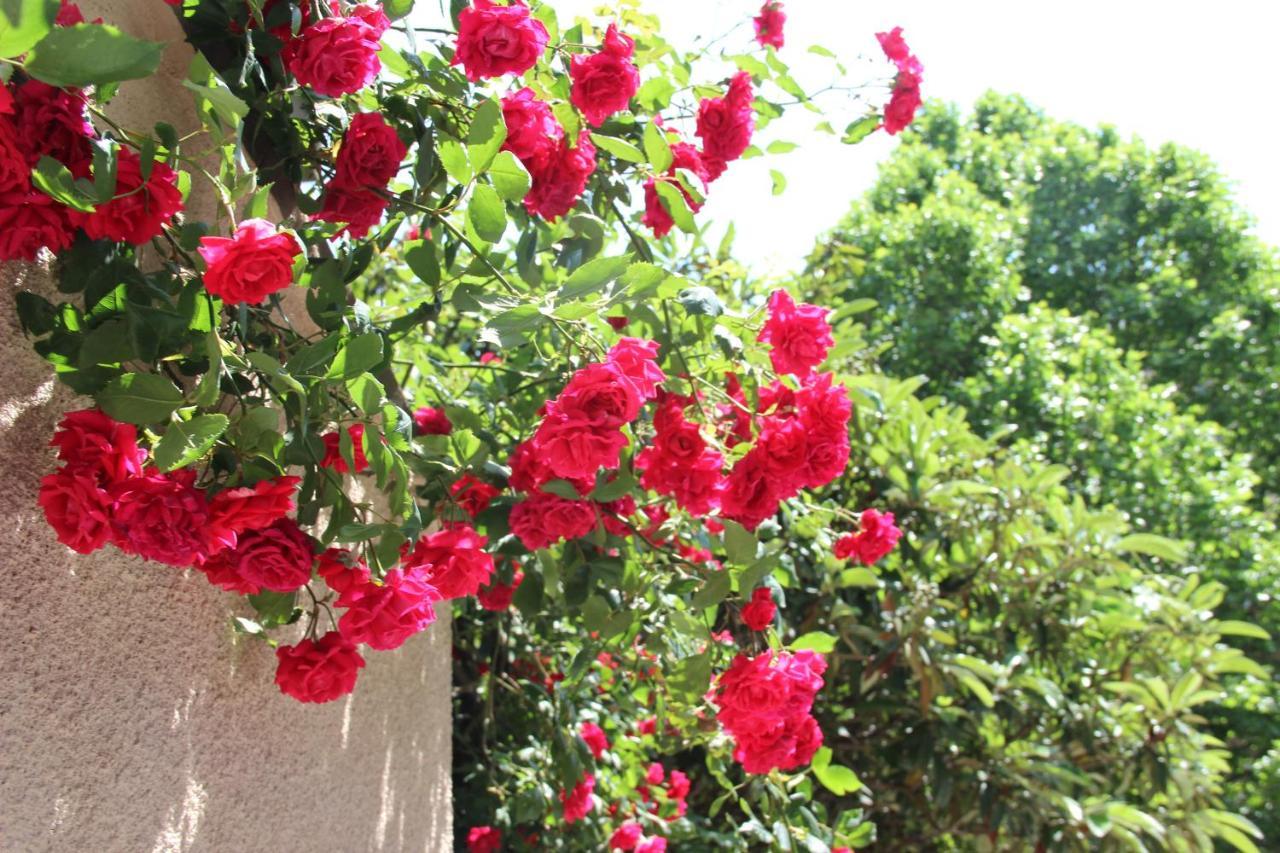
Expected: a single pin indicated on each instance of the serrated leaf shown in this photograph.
(356, 356)
(487, 213)
(657, 149)
(619, 148)
(186, 441)
(92, 54)
(23, 23)
(593, 276)
(817, 641)
(485, 136)
(139, 398)
(510, 177)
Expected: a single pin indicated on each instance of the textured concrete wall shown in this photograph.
(131, 717)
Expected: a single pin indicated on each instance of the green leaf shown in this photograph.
(779, 181)
(92, 54)
(712, 592)
(1236, 628)
(397, 9)
(510, 177)
(817, 641)
(186, 441)
(739, 543)
(23, 23)
(657, 149)
(859, 576)
(356, 356)
(677, 205)
(619, 148)
(691, 676)
(1155, 546)
(643, 278)
(454, 158)
(837, 779)
(421, 258)
(206, 393)
(275, 608)
(593, 276)
(485, 136)
(778, 146)
(701, 300)
(487, 213)
(140, 398)
(860, 129)
(56, 181)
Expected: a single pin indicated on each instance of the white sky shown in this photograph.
(1200, 74)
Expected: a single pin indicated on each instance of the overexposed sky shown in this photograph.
(1200, 74)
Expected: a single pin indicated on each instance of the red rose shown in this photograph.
(484, 839)
(234, 511)
(893, 45)
(472, 494)
(604, 82)
(784, 445)
(371, 152)
(824, 408)
(453, 560)
(758, 615)
(496, 40)
(637, 360)
(533, 134)
(905, 98)
(541, 520)
(333, 458)
(657, 844)
(769, 24)
(876, 537)
(497, 596)
(627, 836)
(725, 125)
(358, 207)
(139, 210)
(558, 183)
(335, 56)
(429, 420)
(799, 335)
(750, 493)
(593, 736)
(278, 558)
(15, 172)
(221, 571)
(764, 704)
(252, 264)
(318, 670)
(384, 615)
(341, 570)
(32, 221)
(578, 802)
(90, 439)
(77, 508)
(6, 101)
(656, 215)
(160, 517)
(54, 122)
(529, 471)
(678, 786)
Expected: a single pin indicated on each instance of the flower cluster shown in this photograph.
(559, 170)
(764, 704)
(368, 159)
(769, 24)
(905, 99)
(877, 535)
(604, 82)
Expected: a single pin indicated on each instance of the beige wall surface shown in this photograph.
(131, 717)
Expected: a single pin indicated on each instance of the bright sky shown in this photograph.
(1199, 74)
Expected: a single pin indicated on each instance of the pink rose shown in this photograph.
(335, 56)
(252, 264)
(278, 558)
(558, 183)
(31, 221)
(533, 134)
(385, 615)
(453, 561)
(234, 511)
(578, 802)
(90, 439)
(905, 98)
(725, 125)
(656, 215)
(593, 736)
(484, 839)
(529, 470)
(637, 360)
(160, 517)
(657, 844)
(604, 82)
(769, 24)
(784, 444)
(341, 570)
(77, 508)
(799, 335)
(894, 45)
(495, 40)
(758, 615)
(627, 836)
(371, 152)
(318, 670)
(139, 210)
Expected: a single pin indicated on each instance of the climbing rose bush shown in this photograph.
(448, 338)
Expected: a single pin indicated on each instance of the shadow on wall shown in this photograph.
(132, 719)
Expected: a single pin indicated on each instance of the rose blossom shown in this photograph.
(318, 670)
(657, 844)
(160, 517)
(472, 494)
(15, 173)
(656, 215)
(799, 335)
(751, 493)
(371, 152)
(593, 736)
(637, 360)
(429, 420)
(495, 40)
(560, 181)
(333, 458)
(541, 520)
(876, 537)
(140, 209)
(54, 122)
(627, 836)
(578, 802)
(725, 125)
(31, 221)
(453, 561)
(905, 98)
(278, 558)
(91, 439)
(77, 508)
(341, 570)
(604, 82)
(497, 596)
(769, 24)
(360, 208)
(253, 263)
(758, 615)
(533, 134)
(335, 56)
(484, 839)
(385, 615)
(234, 511)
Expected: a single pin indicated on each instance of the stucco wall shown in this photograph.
(131, 717)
